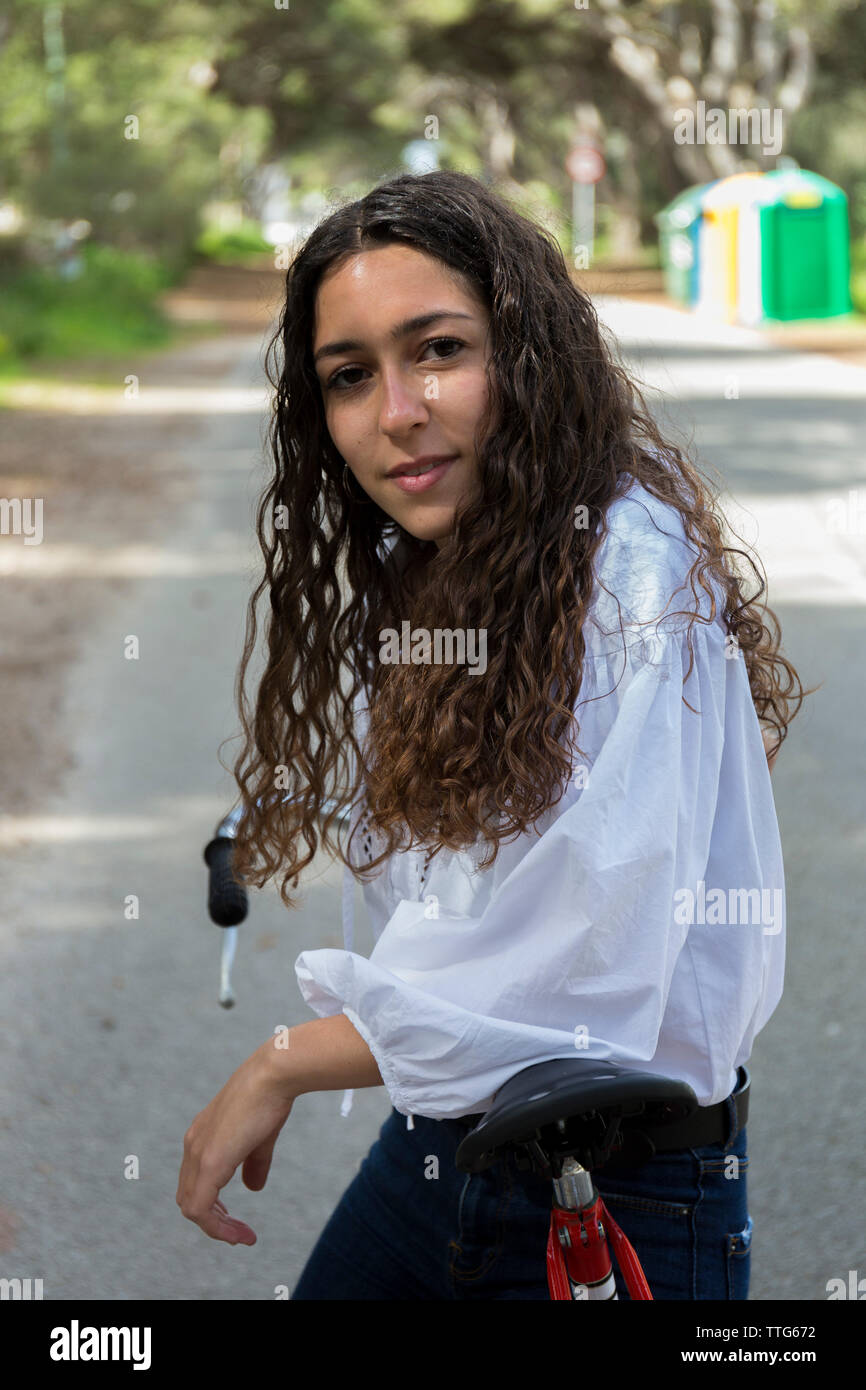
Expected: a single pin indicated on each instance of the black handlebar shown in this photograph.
(227, 901)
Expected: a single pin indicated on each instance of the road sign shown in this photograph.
(585, 164)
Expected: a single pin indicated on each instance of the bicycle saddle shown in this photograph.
(575, 1106)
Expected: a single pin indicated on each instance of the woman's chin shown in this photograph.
(433, 531)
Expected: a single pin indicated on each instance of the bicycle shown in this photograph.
(561, 1119)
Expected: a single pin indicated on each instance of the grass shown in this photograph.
(106, 310)
(54, 329)
(239, 246)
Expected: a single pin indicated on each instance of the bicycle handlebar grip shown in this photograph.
(227, 898)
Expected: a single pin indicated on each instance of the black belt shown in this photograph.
(708, 1125)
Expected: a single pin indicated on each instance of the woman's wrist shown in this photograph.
(325, 1054)
(281, 1065)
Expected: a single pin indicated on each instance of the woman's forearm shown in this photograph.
(326, 1054)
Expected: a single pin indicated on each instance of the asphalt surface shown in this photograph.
(114, 1038)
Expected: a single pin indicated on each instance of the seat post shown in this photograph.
(578, 1258)
(573, 1190)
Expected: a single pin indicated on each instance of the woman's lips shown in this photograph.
(423, 480)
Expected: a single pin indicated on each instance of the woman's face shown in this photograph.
(400, 349)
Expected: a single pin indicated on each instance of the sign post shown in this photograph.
(584, 165)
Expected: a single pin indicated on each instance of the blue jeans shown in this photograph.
(411, 1226)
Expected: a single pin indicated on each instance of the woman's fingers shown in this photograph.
(257, 1165)
(198, 1199)
(198, 1192)
(239, 1127)
(220, 1226)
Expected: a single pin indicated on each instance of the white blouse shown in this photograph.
(645, 925)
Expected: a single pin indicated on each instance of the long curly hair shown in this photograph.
(450, 754)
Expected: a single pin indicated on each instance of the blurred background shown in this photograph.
(702, 167)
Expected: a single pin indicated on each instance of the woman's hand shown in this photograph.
(241, 1125)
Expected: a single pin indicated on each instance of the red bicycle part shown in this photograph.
(626, 1258)
(585, 1260)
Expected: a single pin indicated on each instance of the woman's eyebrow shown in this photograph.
(400, 330)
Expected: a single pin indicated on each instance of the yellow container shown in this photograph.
(719, 259)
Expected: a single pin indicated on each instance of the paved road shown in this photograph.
(785, 432)
(118, 1039)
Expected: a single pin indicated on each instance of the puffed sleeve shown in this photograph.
(578, 944)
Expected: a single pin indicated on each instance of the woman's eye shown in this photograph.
(334, 382)
(434, 342)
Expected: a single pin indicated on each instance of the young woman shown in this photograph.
(552, 747)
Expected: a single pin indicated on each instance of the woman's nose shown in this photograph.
(403, 402)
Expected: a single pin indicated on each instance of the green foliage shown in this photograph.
(147, 112)
(109, 308)
(233, 246)
(131, 138)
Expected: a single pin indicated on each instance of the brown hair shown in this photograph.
(452, 754)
